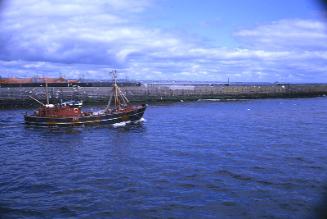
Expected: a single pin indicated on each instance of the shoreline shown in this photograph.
(19, 96)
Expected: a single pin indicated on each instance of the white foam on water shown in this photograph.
(139, 121)
(9, 126)
(209, 99)
(120, 124)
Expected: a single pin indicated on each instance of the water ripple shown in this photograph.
(187, 160)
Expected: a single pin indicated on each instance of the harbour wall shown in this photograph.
(13, 96)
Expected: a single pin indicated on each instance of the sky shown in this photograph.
(207, 40)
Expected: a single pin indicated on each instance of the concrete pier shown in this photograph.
(152, 93)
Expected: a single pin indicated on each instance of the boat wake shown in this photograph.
(123, 124)
(139, 121)
(120, 124)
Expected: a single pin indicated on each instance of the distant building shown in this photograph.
(36, 80)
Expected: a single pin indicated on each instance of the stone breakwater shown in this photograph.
(11, 96)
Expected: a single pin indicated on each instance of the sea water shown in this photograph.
(206, 159)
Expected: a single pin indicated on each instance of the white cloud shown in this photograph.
(82, 37)
(295, 33)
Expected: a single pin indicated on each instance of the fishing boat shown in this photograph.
(118, 110)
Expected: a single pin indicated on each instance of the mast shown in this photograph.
(46, 90)
(117, 102)
(120, 100)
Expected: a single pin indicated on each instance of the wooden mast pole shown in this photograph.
(46, 90)
(113, 92)
(116, 94)
(110, 99)
(117, 102)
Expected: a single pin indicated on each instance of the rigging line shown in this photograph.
(37, 100)
(123, 97)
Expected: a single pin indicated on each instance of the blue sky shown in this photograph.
(248, 40)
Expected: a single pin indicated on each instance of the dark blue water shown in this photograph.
(239, 159)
